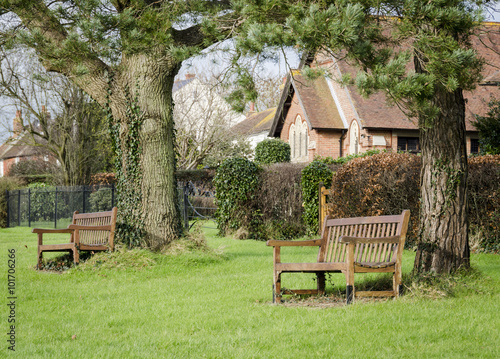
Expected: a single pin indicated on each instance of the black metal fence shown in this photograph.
(54, 206)
(196, 203)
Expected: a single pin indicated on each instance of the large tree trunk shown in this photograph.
(444, 245)
(149, 81)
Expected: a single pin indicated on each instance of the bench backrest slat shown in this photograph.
(371, 227)
(96, 219)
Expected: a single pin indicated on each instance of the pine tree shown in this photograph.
(420, 55)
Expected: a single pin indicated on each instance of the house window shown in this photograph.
(410, 144)
(474, 145)
(1, 168)
(298, 140)
(354, 138)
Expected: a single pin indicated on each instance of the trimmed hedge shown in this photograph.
(280, 201)
(236, 183)
(272, 151)
(387, 183)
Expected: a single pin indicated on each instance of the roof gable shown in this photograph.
(317, 102)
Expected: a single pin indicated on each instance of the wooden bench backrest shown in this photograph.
(380, 226)
(96, 219)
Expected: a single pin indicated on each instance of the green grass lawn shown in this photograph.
(206, 305)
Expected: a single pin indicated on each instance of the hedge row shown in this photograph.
(278, 201)
(387, 183)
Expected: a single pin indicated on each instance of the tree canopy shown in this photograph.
(125, 54)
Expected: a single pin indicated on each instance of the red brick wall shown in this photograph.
(7, 164)
(321, 143)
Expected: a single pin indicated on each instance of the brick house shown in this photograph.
(323, 118)
(19, 147)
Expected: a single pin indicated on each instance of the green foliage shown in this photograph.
(489, 129)
(6, 184)
(236, 183)
(43, 202)
(312, 175)
(101, 200)
(272, 151)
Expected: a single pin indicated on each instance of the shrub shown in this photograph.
(317, 171)
(280, 201)
(484, 202)
(101, 200)
(272, 151)
(43, 200)
(236, 183)
(6, 184)
(344, 160)
(387, 183)
(382, 184)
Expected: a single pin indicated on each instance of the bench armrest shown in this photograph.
(308, 243)
(90, 228)
(356, 240)
(46, 230)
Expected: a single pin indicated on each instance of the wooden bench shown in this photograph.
(349, 245)
(88, 232)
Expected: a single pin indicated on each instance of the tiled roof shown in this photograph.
(20, 147)
(374, 113)
(317, 102)
(256, 123)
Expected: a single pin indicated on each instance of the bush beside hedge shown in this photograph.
(6, 184)
(317, 171)
(272, 151)
(236, 183)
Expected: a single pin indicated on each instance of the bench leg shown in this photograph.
(76, 255)
(349, 274)
(349, 291)
(39, 260)
(321, 282)
(396, 283)
(277, 288)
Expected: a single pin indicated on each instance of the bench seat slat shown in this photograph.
(309, 267)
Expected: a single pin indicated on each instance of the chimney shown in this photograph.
(190, 76)
(17, 125)
(252, 106)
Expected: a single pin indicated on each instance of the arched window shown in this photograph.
(354, 138)
(298, 140)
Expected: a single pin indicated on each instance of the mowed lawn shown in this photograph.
(219, 305)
